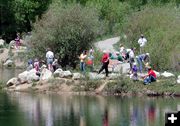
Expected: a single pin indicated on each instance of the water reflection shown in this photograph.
(49, 110)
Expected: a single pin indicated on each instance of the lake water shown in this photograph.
(25, 109)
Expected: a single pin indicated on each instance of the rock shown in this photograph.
(32, 76)
(57, 72)
(9, 63)
(67, 74)
(23, 77)
(2, 42)
(28, 76)
(12, 81)
(157, 73)
(45, 74)
(95, 76)
(77, 76)
(179, 77)
(178, 81)
(167, 74)
(12, 44)
(122, 68)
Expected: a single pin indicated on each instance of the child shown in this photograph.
(134, 74)
(36, 66)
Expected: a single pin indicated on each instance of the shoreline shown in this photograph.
(116, 87)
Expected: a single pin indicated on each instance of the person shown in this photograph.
(17, 41)
(30, 65)
(119, 57)
(131, 58)
(134, 72)
(82, 58)
(36, 66)
(150, 77)
(105, 63)
(50, 58)
(90, 61)
(122, 51)
(55, 64)
(143, 58)
(142, 42)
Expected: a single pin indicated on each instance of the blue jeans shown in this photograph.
(149, 79)
(139, 64)
(82, 66)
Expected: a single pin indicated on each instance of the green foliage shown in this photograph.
(18, 15)
(67, 30)
(161, 26)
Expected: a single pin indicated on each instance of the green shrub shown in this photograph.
(161, 26)
(67, 30)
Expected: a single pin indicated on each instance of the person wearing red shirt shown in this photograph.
(151, 77)
(105, 63)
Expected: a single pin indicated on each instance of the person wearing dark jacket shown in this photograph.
(105, 63)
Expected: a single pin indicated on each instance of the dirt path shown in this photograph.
(107, 44)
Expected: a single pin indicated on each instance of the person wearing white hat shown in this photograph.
(142, 42)
(105, 63)
(142, 59)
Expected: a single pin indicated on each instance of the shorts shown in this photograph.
(49, 61)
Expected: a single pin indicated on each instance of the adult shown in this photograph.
(142, 59)
(17, 41)
(105, 63)
(50, 58)
(82, 58)
(131, 58)
(55, 64)
(142, 42)
(150, 77)
(122, 51)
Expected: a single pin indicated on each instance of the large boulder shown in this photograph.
(32, 76)
(57, 72)
(9, 63)
(45, 74)
(23, 77)
(28, 76)
(66, 74)
(77, 76)
(167, 74)
(95, 76)
(12, 81)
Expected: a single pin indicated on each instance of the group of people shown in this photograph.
(51, 62)
(124, 55)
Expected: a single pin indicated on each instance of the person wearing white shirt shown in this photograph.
(131, 58)
(50, 58)
(142, 42)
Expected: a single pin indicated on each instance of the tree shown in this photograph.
(67, 30)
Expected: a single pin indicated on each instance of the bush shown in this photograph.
(161, 26)
(67, 30)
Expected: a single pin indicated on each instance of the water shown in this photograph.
(24, 109)
(6, 74)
